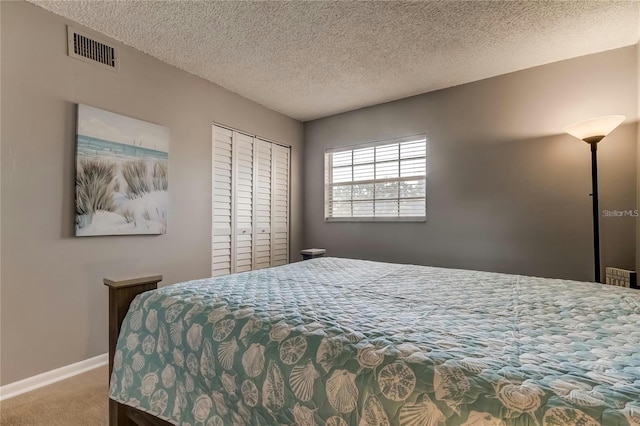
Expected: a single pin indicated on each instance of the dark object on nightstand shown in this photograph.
(312, 253)
(621, 277)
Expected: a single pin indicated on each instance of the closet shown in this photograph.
(250, 202)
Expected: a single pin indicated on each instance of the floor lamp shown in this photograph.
(593, 131)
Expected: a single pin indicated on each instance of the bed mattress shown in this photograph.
(340, 342)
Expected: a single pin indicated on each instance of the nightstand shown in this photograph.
(312, 253)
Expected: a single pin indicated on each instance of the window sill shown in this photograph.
(376, 219)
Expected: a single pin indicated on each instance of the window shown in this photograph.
(382, 181)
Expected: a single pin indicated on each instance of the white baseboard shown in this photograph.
(49, 377)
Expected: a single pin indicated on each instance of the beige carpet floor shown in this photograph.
(78, 401)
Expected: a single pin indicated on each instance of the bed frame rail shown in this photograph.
(121, 293)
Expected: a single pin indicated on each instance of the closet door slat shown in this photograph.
(262, 204)
(222, 206)
(279, 205)
(243, 170)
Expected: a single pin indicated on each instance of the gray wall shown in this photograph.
(54, 306)
(507, 190)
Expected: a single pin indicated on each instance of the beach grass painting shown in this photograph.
(122, 178)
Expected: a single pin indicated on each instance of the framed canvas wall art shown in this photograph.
(122, 179)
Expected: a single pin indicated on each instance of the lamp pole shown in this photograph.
(596, 213)
(593, 131)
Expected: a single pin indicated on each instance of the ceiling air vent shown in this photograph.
(88, 48)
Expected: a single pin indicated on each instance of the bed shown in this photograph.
(341, 342)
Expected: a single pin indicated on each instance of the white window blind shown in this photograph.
(384, 181)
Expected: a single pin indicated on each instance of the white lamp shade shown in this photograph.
(595, 128)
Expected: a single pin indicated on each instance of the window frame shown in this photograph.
(328, 183)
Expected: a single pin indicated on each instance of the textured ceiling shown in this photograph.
(313, 59)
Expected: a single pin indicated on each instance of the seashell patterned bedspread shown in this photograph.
(336, 342)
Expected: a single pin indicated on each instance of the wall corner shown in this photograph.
(638, 155)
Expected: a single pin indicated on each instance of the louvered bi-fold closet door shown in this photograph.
(262, 204)
(250, 203)
(243, 201)
(222, 201)
(279, 205)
